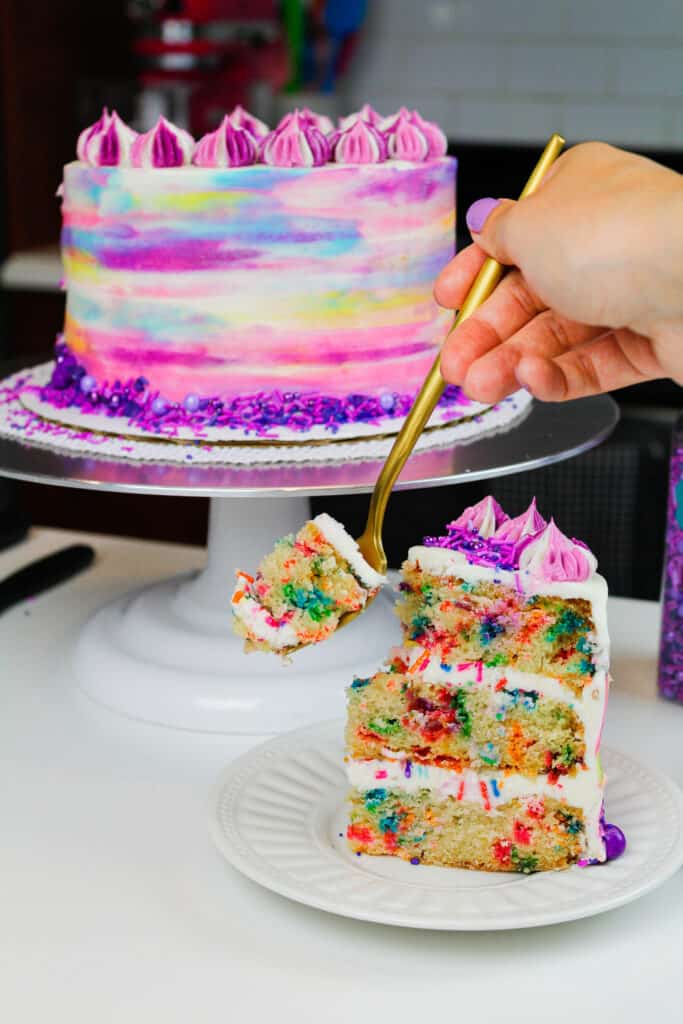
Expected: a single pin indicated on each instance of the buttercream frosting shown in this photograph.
(228, 146)
(387, 123)
(241, 118)
(106, 143)
(436, 140)
(526, 525)
(343, 542)
(366, 113)
(296, 142)
(164, 145)
(279, 634)
(483, 518)
(550, 556)
(360, 143)
(405, 141)
(322, 122)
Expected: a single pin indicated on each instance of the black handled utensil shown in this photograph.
(44, 573)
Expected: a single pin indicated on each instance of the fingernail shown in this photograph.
(478, 213)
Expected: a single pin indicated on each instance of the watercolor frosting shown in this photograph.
(255, 273)
(272, 283)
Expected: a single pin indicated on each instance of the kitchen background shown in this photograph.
(499, 76)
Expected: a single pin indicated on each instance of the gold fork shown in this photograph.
(370, 541)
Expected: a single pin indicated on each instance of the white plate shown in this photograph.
(279, 816)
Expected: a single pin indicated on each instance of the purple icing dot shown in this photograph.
(615, 841)
(191, 402)
(88, 383)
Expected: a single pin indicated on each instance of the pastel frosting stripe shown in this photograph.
(323, 276)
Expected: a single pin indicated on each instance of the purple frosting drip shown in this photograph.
(257, 414)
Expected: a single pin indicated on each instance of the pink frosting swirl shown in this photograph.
(362, 143)
(366, 113)
(226, 147)
(436, 140)
(106, 143)
(163, 146)
(551, 557)
(322, 122)
(387, 123)
(483, 518)
(295, 142)
(526, 525)
(241, 118)
(410, 137)
(405, 141)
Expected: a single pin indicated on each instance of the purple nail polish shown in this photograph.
(478, 213)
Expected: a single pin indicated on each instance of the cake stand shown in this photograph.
(166, 653)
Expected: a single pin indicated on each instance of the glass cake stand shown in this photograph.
(166, 653)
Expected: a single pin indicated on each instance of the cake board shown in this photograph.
(166, 653)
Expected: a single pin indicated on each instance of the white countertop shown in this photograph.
(115, 906)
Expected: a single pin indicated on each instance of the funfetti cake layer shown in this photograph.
(478, 743)
(269, 282)
(475, 598)
(303, 588)
(465, 715)
(466, 820)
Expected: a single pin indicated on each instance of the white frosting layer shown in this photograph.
(344, 543)
(589, 707)
(583, 790)
(447, 563)
(255, 618)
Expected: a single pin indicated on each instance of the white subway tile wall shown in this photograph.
(514, 70)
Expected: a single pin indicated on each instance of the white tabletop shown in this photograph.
(115, 906)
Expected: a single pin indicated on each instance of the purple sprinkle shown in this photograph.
(256, 414)
(487, 551)
(414, 860)
(408, 769)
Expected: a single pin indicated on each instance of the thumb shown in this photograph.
(489, 223)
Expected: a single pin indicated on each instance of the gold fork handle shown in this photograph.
(434, 385)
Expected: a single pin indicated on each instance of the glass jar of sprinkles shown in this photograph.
(670, 676)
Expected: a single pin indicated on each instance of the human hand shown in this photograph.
(595, 299)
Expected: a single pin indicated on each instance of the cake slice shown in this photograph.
(303, 588)
(477, 744)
